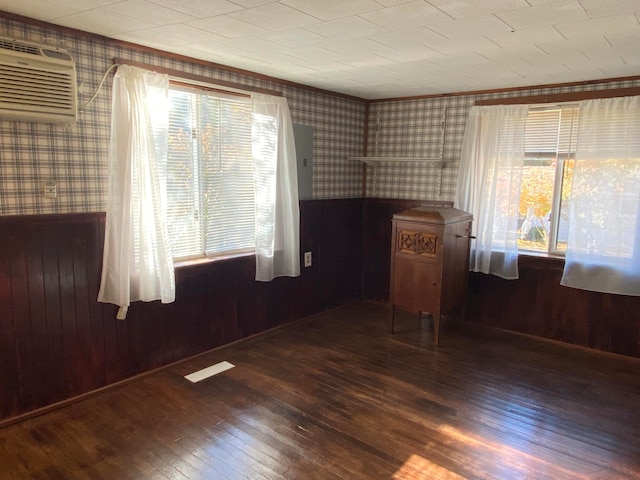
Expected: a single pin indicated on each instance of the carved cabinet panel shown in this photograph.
(429, 261)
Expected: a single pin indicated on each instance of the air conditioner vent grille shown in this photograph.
(12, 45)
(36, 89)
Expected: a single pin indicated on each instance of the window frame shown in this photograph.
(560, 158)
(195, 88)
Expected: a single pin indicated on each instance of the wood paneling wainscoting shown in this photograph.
(535, 304)
(58, 342)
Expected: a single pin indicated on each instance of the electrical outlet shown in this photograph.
(307, 259)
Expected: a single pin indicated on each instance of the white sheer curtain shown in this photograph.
(489, 185)
(137, 260)
(276, 186)
(603, 252)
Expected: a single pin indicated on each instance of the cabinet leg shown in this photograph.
(436, 328)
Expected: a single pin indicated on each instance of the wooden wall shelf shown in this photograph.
(375, 161)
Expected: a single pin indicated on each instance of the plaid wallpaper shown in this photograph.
(411, 128)
(75, 157)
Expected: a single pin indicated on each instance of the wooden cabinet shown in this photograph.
(429, 261)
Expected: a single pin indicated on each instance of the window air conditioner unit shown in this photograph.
(37, 83)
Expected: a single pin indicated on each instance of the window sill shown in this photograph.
(192, 262)
(532, 253)
(531, 258)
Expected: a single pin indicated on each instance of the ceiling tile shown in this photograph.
(83, 5)
(346, 28)
(152, 13)
(600, 26)
(613, 62)
(329, 70)
(417, 54)
(470, 27)
(276, 59)
(217, 50)
(190, 34)
(200, 8)
(332, 9)
(527, 36)
(604, 8)
(354, 46)
(536, 3)
(363, 63)
(274, 17)
(252, 3)
(317, 56)
(370, 71)
(306, 78)
(296, 38)
(624, 41)
(408, 38)
(256, 44)
(513, 61)
(515, 55)
(596, 45)
(391, 3)
(474, 8)
(227, 26)
(465, 59)
(549, 14)
(103, 22)
(225, 56)
(632, 61)
(613, 72)
(406, 15)
(461, 45)
(152, 37)
(573, 67)
(47, 10)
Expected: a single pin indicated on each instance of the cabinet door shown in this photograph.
(417, 285)
(417, 260)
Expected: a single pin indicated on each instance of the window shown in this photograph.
(603, 251)
(210, 187)
(556, 179)
(549, 160)
(183, 167)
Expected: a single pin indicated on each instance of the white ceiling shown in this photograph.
(376, 48)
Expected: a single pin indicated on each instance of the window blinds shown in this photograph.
(551, 132)
(210, 173)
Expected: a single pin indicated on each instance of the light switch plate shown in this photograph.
(50, 189)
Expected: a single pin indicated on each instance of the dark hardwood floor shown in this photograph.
(335, 396)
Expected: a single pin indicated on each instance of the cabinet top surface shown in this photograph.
(434, 215)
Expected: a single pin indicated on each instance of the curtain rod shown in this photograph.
(552, 106)
(562, 97)
(209, 87)
(180, 75)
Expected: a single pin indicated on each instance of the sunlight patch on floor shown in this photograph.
(509, 456)
(419, 468)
